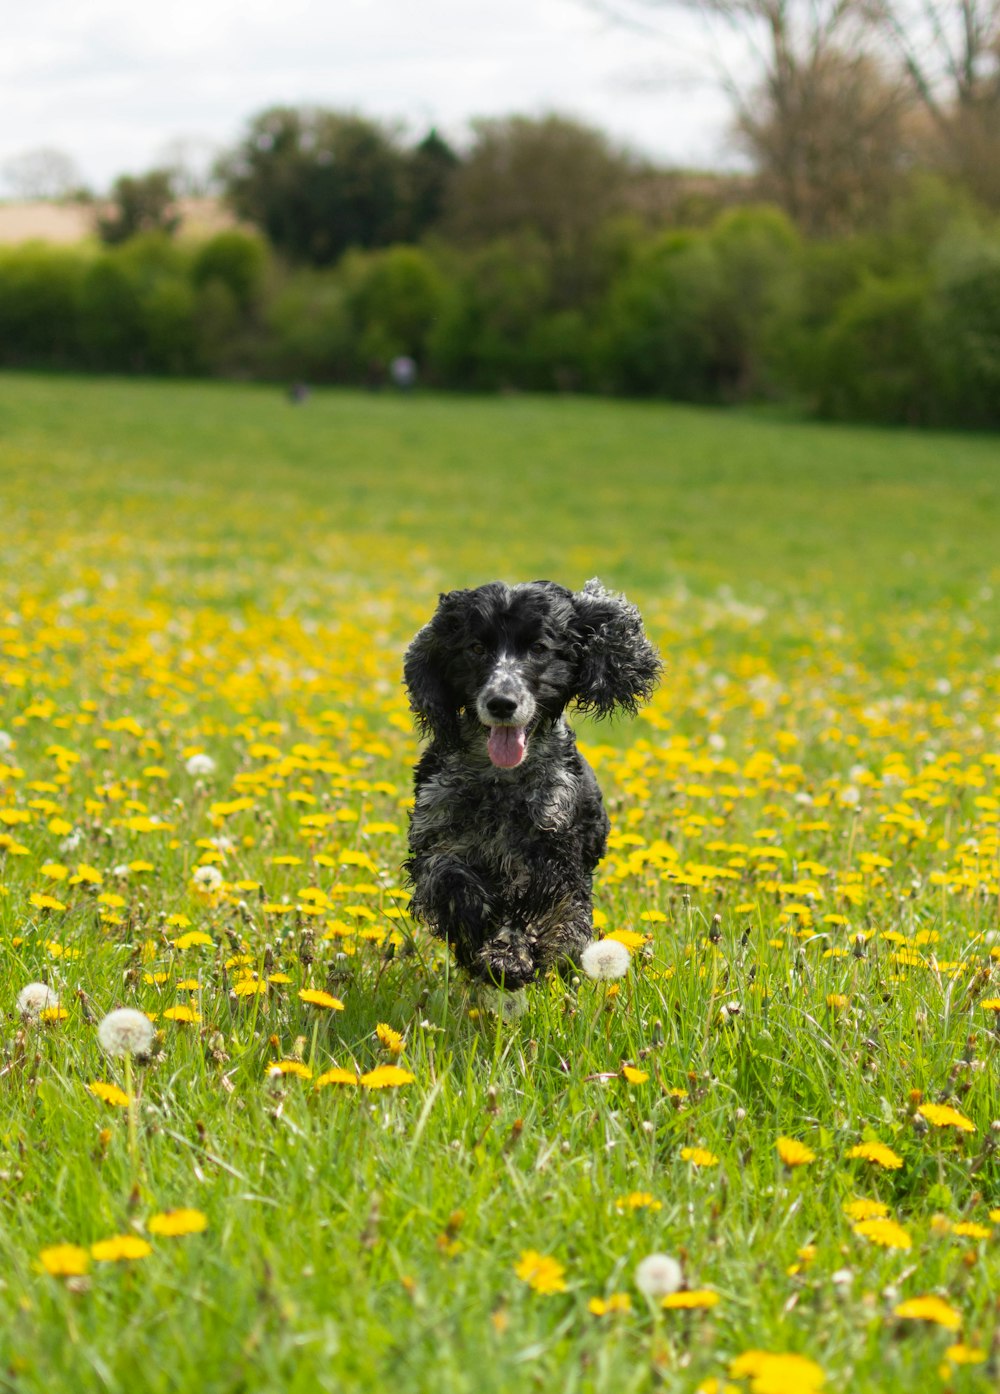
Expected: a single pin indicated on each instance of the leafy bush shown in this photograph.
(899, 325)
(656, 336)
(39, 287)
(394, 298)
(965, 330)
(757, 253)
(109, 317)
(235, 260)
(875, 356)
(498, 295)
(308, 331)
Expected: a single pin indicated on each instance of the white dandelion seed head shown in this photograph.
(6, 742)
(207, 878)
(33, 999)
(605, 959)
(200, 764)
(657, 1275)
(71, 842)
(121, 871)
(126, 1031)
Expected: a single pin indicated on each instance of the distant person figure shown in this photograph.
(298, 392)
(403, 372)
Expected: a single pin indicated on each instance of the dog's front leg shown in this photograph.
(455, 901)
(557, 941)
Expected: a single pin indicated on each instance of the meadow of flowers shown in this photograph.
(257, 1135)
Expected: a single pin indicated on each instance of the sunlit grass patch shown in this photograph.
(324, 1161)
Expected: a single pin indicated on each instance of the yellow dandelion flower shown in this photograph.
(633, 1075)
(249, 987)
(628, 937)
(45, 902)
(638, 1200)
(608, 1306)
(884, 1232)
(321, 999)
(778, 1374)
(794, 1153)
(387, 1077)
(836, 1000)
(699, 1157)
(962, 1354)
(53, 1014)
(64, 1260)
(335, 1076)
(289, 1067)
(182, 1014)
(878, 1153)
(932, 1309)
(988, 1004)
(177, 1222)
(695, 1298)
(391, 1039)
(121, 1246)
(541, 1273)
(969, 1230)
(943, 1116)
(864, 1209)
(108, 1093)
(189, 940)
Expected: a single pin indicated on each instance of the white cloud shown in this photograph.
(111, 82)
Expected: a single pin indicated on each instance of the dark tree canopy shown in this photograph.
(139, 203)
(319, 182)
(549, 176)
(428, 171)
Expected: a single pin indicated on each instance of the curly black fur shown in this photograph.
(508, 823)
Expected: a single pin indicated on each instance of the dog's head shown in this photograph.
(513, 657)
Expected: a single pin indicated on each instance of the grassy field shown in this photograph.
(793, 1092)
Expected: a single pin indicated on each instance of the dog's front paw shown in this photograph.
(506, 960)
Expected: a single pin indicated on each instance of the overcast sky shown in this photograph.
(112, 82)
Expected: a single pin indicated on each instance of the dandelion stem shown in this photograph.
(133, 1128)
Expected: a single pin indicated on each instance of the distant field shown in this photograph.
(66, 223)
(793, 1092)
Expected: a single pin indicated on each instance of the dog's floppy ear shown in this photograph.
(618, 666)
(433, 698)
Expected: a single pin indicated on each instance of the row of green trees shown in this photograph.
(902, 325)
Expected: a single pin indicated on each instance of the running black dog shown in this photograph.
(508, 822)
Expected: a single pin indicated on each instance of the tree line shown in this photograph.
(545, 258)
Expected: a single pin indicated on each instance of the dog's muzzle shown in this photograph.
(507, 709)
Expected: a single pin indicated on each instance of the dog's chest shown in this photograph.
(499, 822)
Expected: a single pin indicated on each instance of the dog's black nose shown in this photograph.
(501, 707)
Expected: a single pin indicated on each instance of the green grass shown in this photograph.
(206, 568)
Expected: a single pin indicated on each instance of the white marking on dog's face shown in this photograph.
(505, 698)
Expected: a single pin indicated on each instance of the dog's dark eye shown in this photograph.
(539, 646)
(478, 649)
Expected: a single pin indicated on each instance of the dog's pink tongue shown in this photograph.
(506, 745)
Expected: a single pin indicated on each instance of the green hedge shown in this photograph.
(901, 326)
